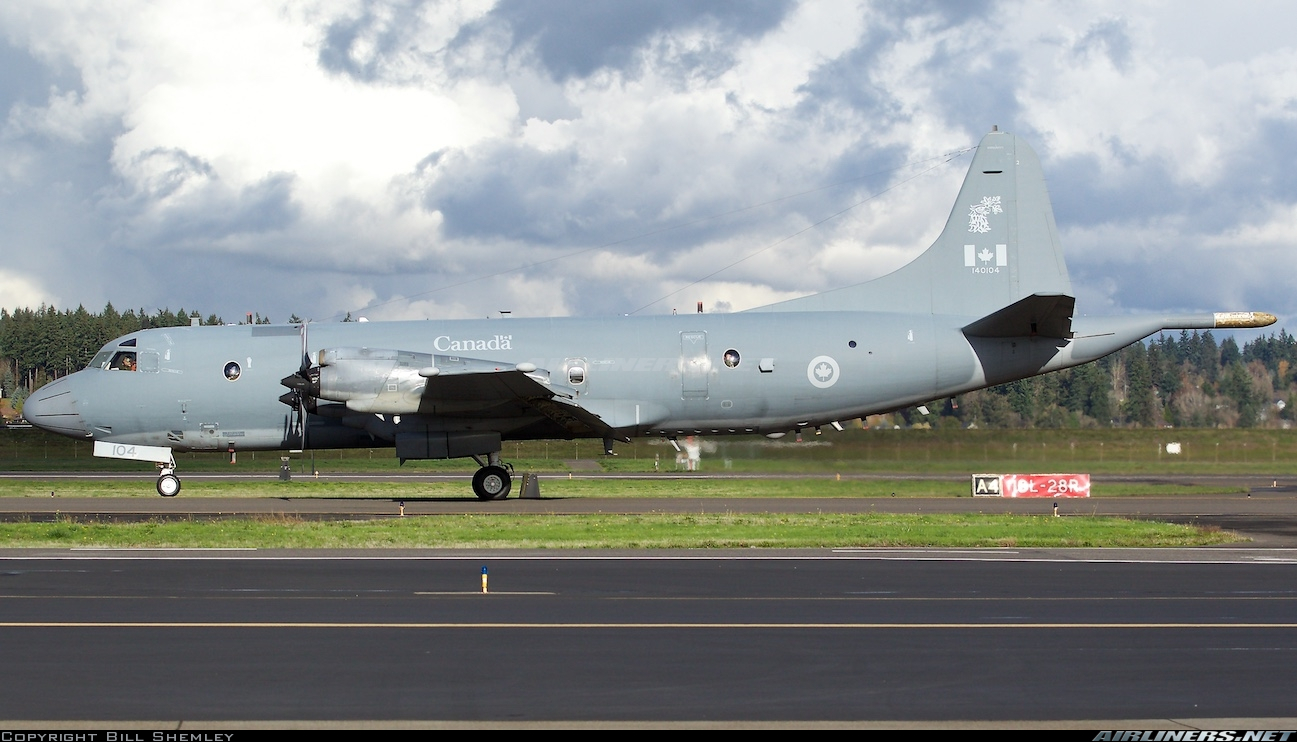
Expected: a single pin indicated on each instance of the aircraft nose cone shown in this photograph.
(53, 407)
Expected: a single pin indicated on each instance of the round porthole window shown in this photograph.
(731, 358)
(232, 371)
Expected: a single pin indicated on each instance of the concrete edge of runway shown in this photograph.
(1163, 555)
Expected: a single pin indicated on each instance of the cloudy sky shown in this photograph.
(411, 159)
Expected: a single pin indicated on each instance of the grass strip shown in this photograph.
(651, 531)
(560, 486)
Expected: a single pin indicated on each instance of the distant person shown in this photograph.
(128, 363)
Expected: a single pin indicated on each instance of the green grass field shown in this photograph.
(934, 464)
(560, 486)
(951, 452)
(655, 531)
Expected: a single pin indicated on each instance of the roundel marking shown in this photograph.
(822, 372)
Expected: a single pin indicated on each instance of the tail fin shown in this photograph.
(999, 246)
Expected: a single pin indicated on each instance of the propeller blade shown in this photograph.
(304, 374)
(306, 358)
(301, 417)
(297, 381)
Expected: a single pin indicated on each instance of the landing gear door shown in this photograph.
(694, 365)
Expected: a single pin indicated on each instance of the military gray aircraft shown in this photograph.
(989, 302)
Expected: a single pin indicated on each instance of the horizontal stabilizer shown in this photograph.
(1038, 315)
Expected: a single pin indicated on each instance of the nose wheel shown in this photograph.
(168, 483)
(492, 483)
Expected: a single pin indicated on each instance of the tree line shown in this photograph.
(1184, 380)
(40, 345)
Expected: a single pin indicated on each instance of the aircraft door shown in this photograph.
(694, 365)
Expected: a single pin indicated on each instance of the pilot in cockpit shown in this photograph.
(124, 362)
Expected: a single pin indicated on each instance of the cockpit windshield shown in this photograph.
(113, 359)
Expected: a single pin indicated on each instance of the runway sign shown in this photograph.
(1031, 485)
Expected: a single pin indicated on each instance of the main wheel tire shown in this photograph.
(492, 483)
(168, 485)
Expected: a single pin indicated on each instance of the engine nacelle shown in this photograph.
(374, 379)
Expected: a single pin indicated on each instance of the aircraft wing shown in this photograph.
(403, 382)
(514, 387)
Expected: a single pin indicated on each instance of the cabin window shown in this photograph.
(731, 358)
(576, 375)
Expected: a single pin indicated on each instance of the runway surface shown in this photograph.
(728, 638)
(1085, 638)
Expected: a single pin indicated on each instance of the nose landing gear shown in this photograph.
(168, 482)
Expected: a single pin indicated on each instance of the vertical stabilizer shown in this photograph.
(1000, 245)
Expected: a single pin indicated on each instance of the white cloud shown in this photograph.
(348, 153)
(23, 291)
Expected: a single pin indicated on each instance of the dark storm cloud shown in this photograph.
(550, 198)
(388, 31)
(1266, 167)
(946, 13)
(24, 79)
(977, 96)
(571, 38)
(183, 202)
(1146, 189)
(505, 191)
(848, 81)
(574, 38)
(1084, 194)
(1107, 37)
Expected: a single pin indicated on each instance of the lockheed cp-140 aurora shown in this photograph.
(989, 302)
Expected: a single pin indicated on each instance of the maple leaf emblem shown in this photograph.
(985, 255)
(823, 371)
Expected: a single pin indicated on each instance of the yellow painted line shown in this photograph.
(651, 625)
(340, 594)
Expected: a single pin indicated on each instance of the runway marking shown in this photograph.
(646, 625)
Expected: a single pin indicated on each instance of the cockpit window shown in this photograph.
(101, 359)
(123, 361)
(128, 343)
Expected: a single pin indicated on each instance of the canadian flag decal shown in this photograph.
(984, 257)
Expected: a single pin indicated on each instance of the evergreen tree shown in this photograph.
(1139, 405)
(1237, 385)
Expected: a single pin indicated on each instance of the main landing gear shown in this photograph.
(494, 480)
(168, 482)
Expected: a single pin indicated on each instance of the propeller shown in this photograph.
(303, 383)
